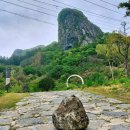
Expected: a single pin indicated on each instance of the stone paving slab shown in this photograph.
(35, 112)
(4, 127)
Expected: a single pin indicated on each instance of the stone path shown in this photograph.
(34, 112)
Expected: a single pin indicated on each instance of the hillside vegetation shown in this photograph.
(52, 62)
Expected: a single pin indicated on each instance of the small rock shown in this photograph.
(70, 115)
(5, 121)
(29, 122)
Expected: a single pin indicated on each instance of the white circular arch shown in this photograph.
(74, 75)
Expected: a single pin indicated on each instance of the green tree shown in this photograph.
(109, 52)
(122, 43)
(125, 5)
(46, 84)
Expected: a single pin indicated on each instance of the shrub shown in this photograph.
(89, 83)
(72, 86)
(96, 79)
(60, 86)
(34, 85)
(46, 84)
(91, 51)
(1, 92)
(16, 89)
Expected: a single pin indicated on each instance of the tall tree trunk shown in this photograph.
(111, 69)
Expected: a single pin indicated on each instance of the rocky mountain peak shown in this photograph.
(75, 29)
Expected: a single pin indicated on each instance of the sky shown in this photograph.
(23, 33)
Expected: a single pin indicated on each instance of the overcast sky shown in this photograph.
(20, 33)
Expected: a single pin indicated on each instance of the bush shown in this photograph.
(91, 51)
(16, 89)
(32, 70)
(60, 86)
(1, 92)
(46, 84)
(96, 79)
(34, 85)
(72, 86)
(89, 83)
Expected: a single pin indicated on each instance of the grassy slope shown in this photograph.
(10, 99)
(114, 91)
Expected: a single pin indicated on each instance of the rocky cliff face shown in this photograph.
(75, 29)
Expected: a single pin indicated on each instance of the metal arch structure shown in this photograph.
(74, 75)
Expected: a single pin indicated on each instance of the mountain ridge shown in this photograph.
(22, 52)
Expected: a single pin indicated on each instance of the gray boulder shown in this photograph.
(70, 115)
